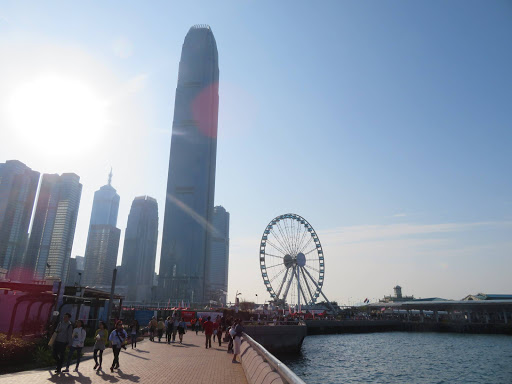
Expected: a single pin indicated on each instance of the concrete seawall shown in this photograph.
(278, 339)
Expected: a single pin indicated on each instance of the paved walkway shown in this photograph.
(153, 363)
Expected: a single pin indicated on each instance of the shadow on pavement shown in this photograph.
(124, 376)
(138, 357)
(68, 378)
(142, 350)
(105, 376)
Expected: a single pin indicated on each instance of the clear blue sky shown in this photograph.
(387, 125)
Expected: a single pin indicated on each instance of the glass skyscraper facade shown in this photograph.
(139, 251)
(103, 238)
(189, 201)
(53, 227)
(18, 186)
(219, 259)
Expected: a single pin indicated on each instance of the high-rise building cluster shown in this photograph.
(195, 240)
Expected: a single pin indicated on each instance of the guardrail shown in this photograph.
(280, 368)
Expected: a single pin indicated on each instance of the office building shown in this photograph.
(191, 177)
(103, 238)
(139, 251)
(53, 227)
(219, 259)
(18, 186)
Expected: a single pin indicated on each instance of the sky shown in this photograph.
(387, 125)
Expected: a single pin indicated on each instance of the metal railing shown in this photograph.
(282, 370)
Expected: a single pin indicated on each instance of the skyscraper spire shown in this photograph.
(110, 177)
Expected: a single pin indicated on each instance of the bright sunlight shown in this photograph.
(57, 115)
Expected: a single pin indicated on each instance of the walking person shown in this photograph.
(168, 329)
(160, 328)
(175, 323)
(64, 338)
(182, 328)
(208, 331)
(117, 339)
(101, 337)
(197, 325)
(152, 328)
(77, 343)
(237, 343)
(134, 333)
(219, 333)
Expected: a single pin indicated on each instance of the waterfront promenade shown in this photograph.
(154, 363)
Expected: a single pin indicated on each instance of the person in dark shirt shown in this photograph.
(64, 338)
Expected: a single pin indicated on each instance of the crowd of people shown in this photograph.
(73, 336)
(228, 327)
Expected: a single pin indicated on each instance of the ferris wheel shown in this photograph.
(292, 261)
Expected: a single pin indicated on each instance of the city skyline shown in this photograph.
(390, 136)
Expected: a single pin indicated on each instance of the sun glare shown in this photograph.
(57, 115)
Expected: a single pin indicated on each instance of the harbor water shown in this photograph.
(399, 357)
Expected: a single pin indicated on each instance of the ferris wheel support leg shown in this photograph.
(282, 283)
(307, 286)
(287, 288)
(298, 289)
(321, 292)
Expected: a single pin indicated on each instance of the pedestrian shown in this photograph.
(219, 333)
(160, 327)
(198, 325)
(117, 339)
(101, 337)
(134, 333)
(168, 329)
(77, 343)
(215, 329)
(175, 323)
(152, 328)
(237, 343)
(231, 335)
(182, 327)
(64, 338)
(208, 331)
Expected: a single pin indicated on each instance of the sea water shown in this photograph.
(400, 357)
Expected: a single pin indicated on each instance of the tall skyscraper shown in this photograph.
(103, 238)
(53, 227)
(191, 178)
(219, 259)
(139, 251)
(18, 186)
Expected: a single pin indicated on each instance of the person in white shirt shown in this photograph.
(117, 339)
(77, 343)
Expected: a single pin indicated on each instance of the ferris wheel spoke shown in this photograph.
(269, 254)
(292, 234)
(276, 247)
(285, 245)
(277, 275)
(307, 253)
(307, 244)
(279, 241)
(275, 265)
(298, 238)
(288, 237)
(301, 241)
(314, 269)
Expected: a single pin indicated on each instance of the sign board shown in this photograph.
(144, 317)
